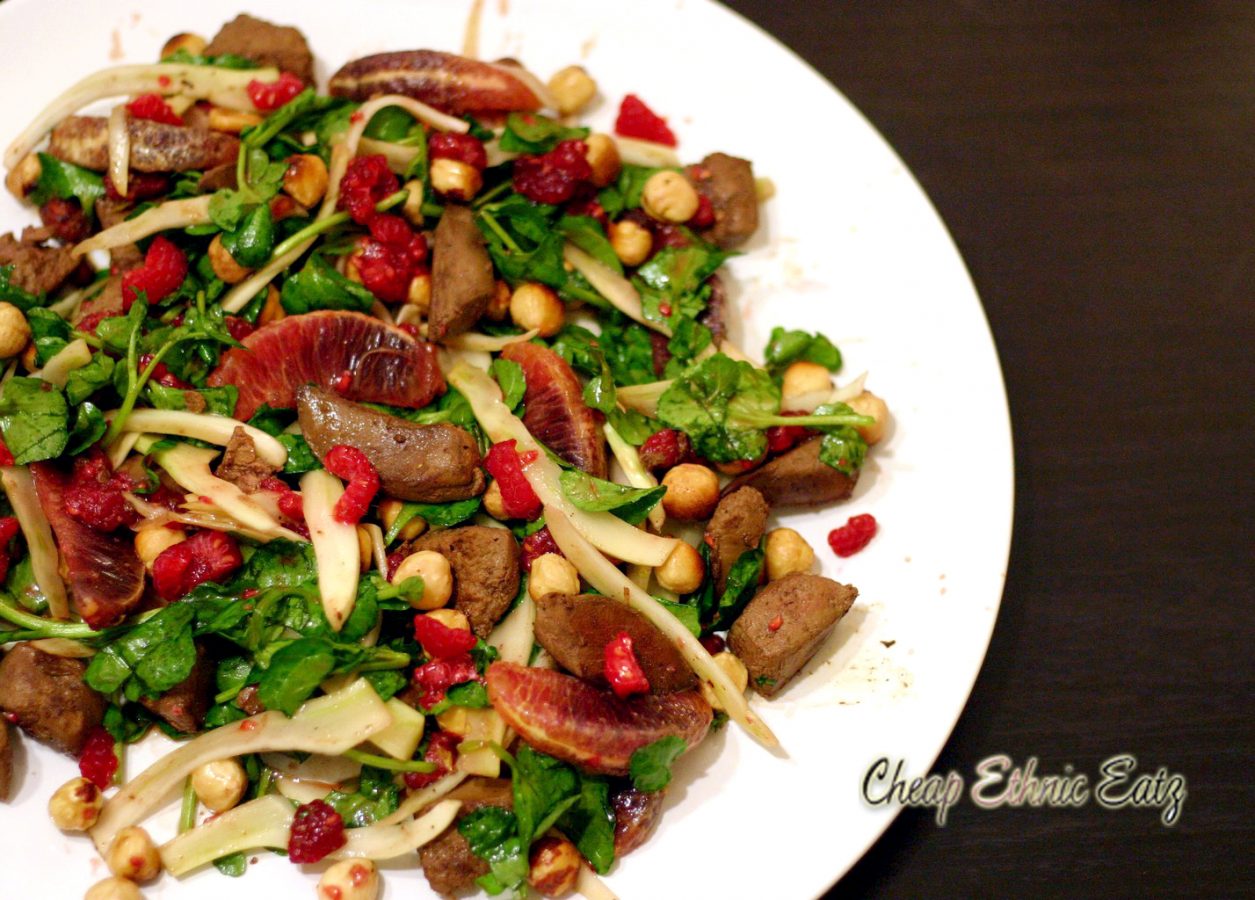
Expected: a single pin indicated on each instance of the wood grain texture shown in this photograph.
(1094, 163)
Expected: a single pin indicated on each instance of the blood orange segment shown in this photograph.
(555, 412)
(448, 82)
(383, 364)
(574, 721)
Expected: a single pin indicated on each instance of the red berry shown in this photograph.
(665, 449)
(441, 752)
(6, 456)
(94, 495)
(433, 679)
(439, 640)
(853, 536)
(622, 669)
(518, 498)
(636, 120)
(713, 644)
(351, 464)
(391, 258)
(205, 556)
(462, 147)
(161, 374)
(153, 108)
(366, 181)
(163, 271)
(239, 328)
(290, 503)
(272, 95)
(537, 544)
(98, 763)
(705, 215)
(317, 831)
(555, 176)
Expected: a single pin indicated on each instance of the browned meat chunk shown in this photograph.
(240, 463)
(576, 629)
(447, 861)
(36, 269)
(798, 478)
(266, 44)
(461, 274)
(738, 525)
(155, 147)
(6, 761)
(450, 83)
(432, 463)
(67, 220)
(729, 183)
(104, 575)
(184, 705)
(784, 625)
(485, 563)
(636, 815)
(47, 696)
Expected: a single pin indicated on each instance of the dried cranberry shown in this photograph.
(163, 271)
(290, 503)
(395, 558)
(853, 536)
(439, 640)
(66, 219)
(462, 147)
(153, 108)
(441, 752)
(504, 465)
(94, 494)
(317, 831)
(161, 374)
(205, 556)
(622, 669)
(434, 678)
(98, 763)
(239, 328)
(8, 530)
(272, 95)
(636, 120)
(553, 177)
(667, 235)
(351, 464)
(366, 181)
(139, 186)
(665, 449)
(589, 206)
(537, 544)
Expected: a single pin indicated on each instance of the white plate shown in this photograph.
(850, 246)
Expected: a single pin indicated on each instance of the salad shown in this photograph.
(387, 448)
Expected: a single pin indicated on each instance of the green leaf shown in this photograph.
(294, 673)
(437, 515)
(86, 380)
(227, 207)
(589, 823)
(843, 448)
(232, 865)
(686, 613)
(509, 375)
(390, 124)
(89, 427)
(786, 347)
(377, 796)
(250, 244)
(222, 61)
(672, 283)
(68, 182)
(11, 293)
(631, 183)
(629, 352)
(34, 420)
(49, 332)
(586, 233)
(270, 420)
(167, 637)
(740, 588)
(634, 427)
(219, 401)
(543, 788)
(704, 401)
(591, 494)
(533, 133)
(387, 683)
(301, 457)
(650, 766)
(319, 286)
(471, 694)
(492, 834)
(260, 135)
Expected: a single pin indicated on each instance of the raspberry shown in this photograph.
(290, 503)
(462, 147)
(94, 495)
(622, 669)
(153, 108)
(317, 830)
(351, 464)
(636, 120)
(391, 259)
(163, 271)
(436, 677)
(205, 556)
(553, 177)
(537, 544)
(591, 208)
(518, 498)
(853, 536)
(439, 640)
(6, 455)
(366, 181)
(441, 752)
(665, 449)
(239, 328)
(8, 530)
(98, 763)
(161, 374)
(273, 95)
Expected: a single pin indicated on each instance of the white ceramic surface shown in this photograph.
(850, 246)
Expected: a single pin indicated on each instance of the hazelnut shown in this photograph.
(669, 197)
(536, 306)
(683, 570)
(231, 121)
(868, 404)
(732, 666)
(220, 784)
(223, 263)
(787, 552)
(132, 854)
(113, 889)
(631, 241)
(603, 158)
(349, 879)
(451, 618)
(15, 331)
(455, 179)
(437, 577)
(306, 178)
(194, 44)
(76, 805)
(692, 492)
(152, 540)
(802, 378)
(572, 89)
(553, 865)
(552, 574)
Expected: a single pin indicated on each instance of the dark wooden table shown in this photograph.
(1095, 162)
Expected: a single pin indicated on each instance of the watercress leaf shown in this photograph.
(319, 286)
(301, 457)
(387, 683)
(650, 766)
(89, 427)
(740, 588)
(271, 420)
(543, 788)
(86, 380)
(843, 449)
(631, 183)
(167, 663)
(533, 133)
(365, 614)
(12, 293)
(232, 674)
(509, 375)
(227, 208)
(67, 182)
(634, 427)
(294, 673)
(49, 332)
(686, 613)
(278, 563)
(705, 402)
(389, 124)
(589, 823)
(233, 865)
(219, 401)
(492, 834)
(33, 419)
(471, 694)
(586, 233)
(785, 347)
(437, 515)
(250, 244)
(127, 724)
(688, 338)
(629, 352)
(221, 61)
(592, 494)
(261, 134)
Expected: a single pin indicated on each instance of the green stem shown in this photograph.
(264, 782)
(499, 231)
(35, 627)
(483, 199)
(383, 659)
(332, 221)
(818, 421)
(390, 765)
(187, 814)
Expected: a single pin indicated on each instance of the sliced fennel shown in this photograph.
(45, 561)
(73, 355)
(335, 545)
(589, 886)
(643, 397)
(646, 153)
(264, 822)
(488, 343)
(204, 427)
(119, 141)
(423, 798)
(601, 574)
(606, 532)
(381, 841)
(400, 739)
(331, 724)
(611, 285)
(635, 472)
(165, 216)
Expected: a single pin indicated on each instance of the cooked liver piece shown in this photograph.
(6, 761)
(36, 269)
(730, 187)
(155, 147)
(576, 628)
(447, 861)
(184, 705)
(266, 44)
(461, 274)
(798, 478)
(485, 564)
(240, 463)
(784, 625)
(47, 695)
(738, 525)
(432, 463)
